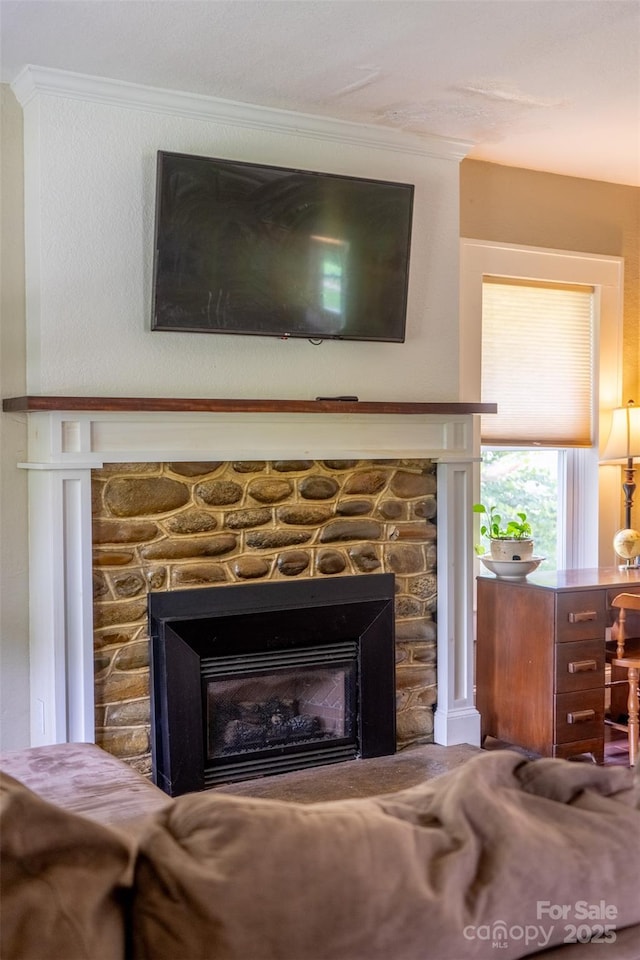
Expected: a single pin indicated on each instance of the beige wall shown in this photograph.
(565, 213)
(14, 595)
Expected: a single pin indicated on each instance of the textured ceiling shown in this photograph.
(550, 85)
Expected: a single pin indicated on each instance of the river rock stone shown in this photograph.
(136, 497)
(274, 539)
(353, 508)
(191, 521)
(126, 742)
(365, 558)
(111, 613)
(423, 653)
(408, 606)
(402, 653)
(112, 559)
(270, 491)
(340, 530)
(408, 485)
(156, 577)
(318, 488)
(243, 519)
(198, 574)
(303, 515)
(292, 563)
(425, 587)
(248, 466)
(341, 464)
(292, 466)
(197, 547)
(405, 558)
(421, 629)
(108, 469)
(413, 724)
(129, 584)
(130, 714)
(101, 663)
(119, 686)
(195, 469)
(427, 696)
(100, 585)
(133, 656)
(418, 530)
(251, 568)
(425, 509)
(219, 493)
(114, 638)
(367, 482)
(123, 531)
(413, 675)
(331, 561)
(392, 509)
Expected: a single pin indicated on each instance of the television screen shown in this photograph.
(251, 249)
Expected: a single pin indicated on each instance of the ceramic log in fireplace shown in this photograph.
(256, 679)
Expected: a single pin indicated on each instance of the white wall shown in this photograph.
(14, 656)
(90, 189)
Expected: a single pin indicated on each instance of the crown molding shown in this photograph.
(44, 81)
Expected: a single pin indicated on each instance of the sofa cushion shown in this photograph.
(85, 779)
(62, 879)
(424, 874)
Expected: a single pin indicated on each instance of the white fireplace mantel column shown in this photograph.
(64, 446)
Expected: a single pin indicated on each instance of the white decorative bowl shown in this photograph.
(511, 569)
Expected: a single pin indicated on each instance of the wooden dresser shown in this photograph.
(540, 658)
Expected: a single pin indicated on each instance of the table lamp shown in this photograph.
(623, 446)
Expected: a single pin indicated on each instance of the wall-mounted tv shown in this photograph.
(245, 248)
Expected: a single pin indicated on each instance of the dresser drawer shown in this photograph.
(581, 615)
(580, 665)
(579, 715)
(577, 748)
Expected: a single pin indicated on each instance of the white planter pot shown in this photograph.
(511, 549)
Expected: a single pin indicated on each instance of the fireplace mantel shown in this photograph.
(203, 405)
(68, 437)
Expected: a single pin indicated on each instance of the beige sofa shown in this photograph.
(502, 857)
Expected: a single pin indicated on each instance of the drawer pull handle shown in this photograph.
(582, 616)
(582, 666)
(581, 716)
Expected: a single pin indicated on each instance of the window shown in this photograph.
(576, 493)
(516, 478)
(537, 364)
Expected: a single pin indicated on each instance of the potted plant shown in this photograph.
(508, 540)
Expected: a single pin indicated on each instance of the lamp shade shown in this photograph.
(624, 438)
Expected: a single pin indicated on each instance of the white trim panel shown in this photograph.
(33, 80)
(63, 449)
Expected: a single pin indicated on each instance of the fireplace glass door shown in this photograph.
(258, 711)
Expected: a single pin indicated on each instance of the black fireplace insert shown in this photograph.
(249, 680)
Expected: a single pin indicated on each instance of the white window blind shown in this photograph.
(537, 362)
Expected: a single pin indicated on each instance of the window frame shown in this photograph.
(586, 490)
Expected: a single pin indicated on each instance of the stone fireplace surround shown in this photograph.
(71, 437)
(159, 528)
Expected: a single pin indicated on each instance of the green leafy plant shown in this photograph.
(496, 529)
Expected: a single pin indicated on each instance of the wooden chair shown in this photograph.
(631, 664)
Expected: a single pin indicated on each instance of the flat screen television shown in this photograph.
(245, 248)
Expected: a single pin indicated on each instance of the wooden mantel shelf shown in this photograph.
(201, 405)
